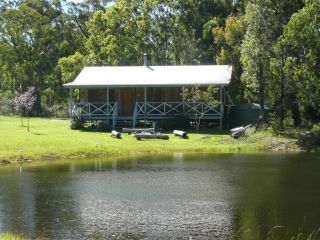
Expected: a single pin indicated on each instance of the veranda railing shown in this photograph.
(161, 109)
(106, 110)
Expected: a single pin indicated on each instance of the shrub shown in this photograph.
(59, 110)
(76, 124)
(6, 104)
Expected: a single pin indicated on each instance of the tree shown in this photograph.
(199, 18)
(256, 51)
(282, 89)
(195, 95)
(34, 35)
(24, 102)
(228, 40)
(71, 66)
(300, 48)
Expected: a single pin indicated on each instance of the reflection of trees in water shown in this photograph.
(55, 201)
(226, 195)
(37, 202)
(17, 206)
(283, 191)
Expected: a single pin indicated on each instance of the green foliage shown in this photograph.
(6, 104)
(301, 50)
(272, 45)
(195, 95)
(198, 95)
(34, 35)
(256, 48)
(262, 64)
(58, 110)
(76, 124)
(71, 66)
(228, 39)
(9, 236)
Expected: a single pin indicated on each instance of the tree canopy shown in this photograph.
(272, 45)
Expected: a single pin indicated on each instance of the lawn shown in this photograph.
(53, 139)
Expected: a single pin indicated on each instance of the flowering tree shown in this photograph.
(23, 103)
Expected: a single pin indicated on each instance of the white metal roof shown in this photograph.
(153, 76)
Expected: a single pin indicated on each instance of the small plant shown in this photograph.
(76, 124)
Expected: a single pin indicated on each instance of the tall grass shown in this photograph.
(9, 236)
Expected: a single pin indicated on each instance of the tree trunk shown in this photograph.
(263, 115)
(282, 95)
(38, 108)
(28, 120)
(21, 120)
(296, 114)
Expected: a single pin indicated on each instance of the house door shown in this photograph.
(126, 101)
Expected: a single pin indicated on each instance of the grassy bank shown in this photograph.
(53, 139)
(9, 236)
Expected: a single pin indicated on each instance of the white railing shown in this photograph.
(174, 109)
(106, 110)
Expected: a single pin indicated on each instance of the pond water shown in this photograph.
(230, 196)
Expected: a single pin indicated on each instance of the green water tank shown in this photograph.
(245, 113)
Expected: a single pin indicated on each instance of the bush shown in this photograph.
(60, 110)
(57, 110)
(6, 103)
(76, 124)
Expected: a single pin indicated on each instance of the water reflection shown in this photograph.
(164, 197)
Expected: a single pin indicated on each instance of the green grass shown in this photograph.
(53, 139)
(9, 236)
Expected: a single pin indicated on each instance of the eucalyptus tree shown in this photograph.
(34, 35)
(283, 88)
(256, 51)
(300, 50)
(198, 18)
(81, 12)
(228, 39)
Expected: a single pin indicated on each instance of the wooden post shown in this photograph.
(183, 101)
(70, 101)
(145, 106)
(221, 108)
(108, 102)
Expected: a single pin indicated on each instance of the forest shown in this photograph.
(273, 46)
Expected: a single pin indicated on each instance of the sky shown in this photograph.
(75, 1)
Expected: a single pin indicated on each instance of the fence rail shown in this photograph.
(166, 109)
(107, 110)
(175, 109)
(145, 110)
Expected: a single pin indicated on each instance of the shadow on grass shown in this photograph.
(308, 140)
(204, 131)
(38, 134)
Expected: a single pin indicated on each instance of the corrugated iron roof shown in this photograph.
(152, 76)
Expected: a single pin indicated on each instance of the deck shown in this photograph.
(145, 111)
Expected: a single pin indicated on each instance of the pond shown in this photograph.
(177, 196)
